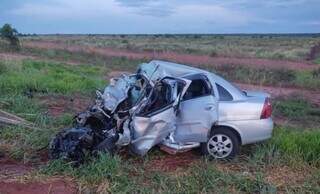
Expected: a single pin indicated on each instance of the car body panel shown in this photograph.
(242, 113)
(149, 131)
(152, 128)
(249, 109)
(195, 119)
(149, 108)
(251, 131)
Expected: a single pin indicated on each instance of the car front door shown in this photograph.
(156, 118)
(198, 111)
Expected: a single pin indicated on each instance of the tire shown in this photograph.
(222, 144)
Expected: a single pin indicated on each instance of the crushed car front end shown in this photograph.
(167, 104)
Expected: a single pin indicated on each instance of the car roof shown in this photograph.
(171, 69)
(165, 68)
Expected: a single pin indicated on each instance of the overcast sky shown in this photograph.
(162, 16)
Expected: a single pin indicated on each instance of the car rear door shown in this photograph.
(198, 111)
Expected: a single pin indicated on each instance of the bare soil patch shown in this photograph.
(57, 105)
(13, 179)
(169, 163)
(10, 168)
(172, 56)
(54, 185)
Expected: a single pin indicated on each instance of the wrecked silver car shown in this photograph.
(174, 106)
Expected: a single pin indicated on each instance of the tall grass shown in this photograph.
(289, 146)
(49, 78)
(297, 144)
(265, 76)
(110, 63)
(262, 46)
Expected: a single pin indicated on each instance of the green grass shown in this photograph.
(50, 78)
(202, 177)
(262, 46)
(103, 169)
(292, 107)
(298, 111)
(293, 147)
(264, 76)
(20, 81)
(110, 63)
(288, 147)
(243, 74)
(297, 144)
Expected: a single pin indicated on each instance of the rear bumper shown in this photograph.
(252, 131)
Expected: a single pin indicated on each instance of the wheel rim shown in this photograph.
(219, 146)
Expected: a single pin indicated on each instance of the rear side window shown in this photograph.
(197, 88)
(224, 94)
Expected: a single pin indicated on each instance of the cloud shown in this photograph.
(69, 9)
(163, 16)
(312, 23)
(154, 8)
(212, 14)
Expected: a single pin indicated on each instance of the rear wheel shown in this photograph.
(222, 144)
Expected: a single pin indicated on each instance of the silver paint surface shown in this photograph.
(188, 122)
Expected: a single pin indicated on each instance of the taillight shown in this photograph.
(267, 109)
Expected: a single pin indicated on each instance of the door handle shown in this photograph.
(209, 108)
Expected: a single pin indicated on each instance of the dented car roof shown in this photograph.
(157, 69)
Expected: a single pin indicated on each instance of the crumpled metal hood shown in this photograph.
(156, 70)
(117, 91)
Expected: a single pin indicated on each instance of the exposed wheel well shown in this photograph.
(228, 128)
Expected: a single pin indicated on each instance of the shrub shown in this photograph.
(10, 34)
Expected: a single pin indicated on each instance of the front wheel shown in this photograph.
(222, 144)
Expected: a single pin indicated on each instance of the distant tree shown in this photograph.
(10, 34)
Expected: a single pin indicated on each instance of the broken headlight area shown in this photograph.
(100, 126)
(138, 111)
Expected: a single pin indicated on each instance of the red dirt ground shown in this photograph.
(11, 171)
(172, 56)
(56, 186)
(169, 163)
(58, 105)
